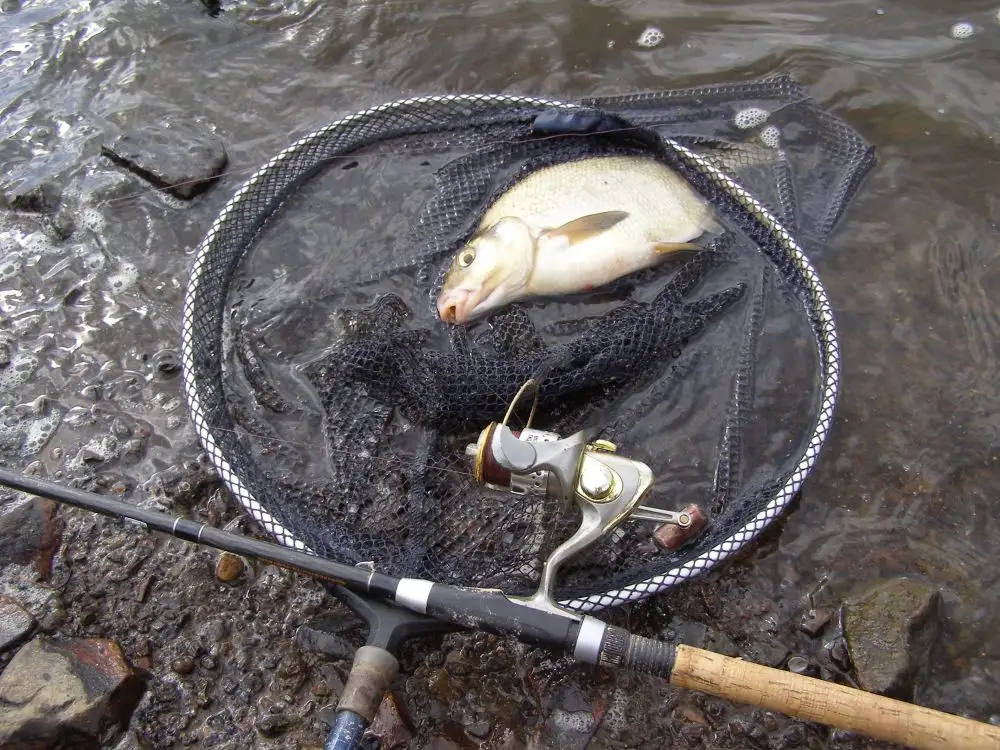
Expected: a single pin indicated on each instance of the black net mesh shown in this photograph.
(338, 408)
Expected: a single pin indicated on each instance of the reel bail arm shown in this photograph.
(608, 488)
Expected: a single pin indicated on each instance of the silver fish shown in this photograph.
(573, 227)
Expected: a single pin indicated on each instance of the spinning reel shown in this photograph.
(608, 488)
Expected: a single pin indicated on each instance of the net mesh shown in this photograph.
(337, 408)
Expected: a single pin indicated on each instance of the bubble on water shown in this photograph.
(125, 279)
(92, 219)
(39, 432)
(94, 262)
(615, 718)
(18, 371)
(750, 117)
(171, 405)
(650, 37)
(573, 721)
(37, 242)
(962, 30)
(10, 267)
(770, 136)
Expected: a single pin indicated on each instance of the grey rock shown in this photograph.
(814, 622)
(175, 156)
(65, 693)
(22, 584)
(890, 631)
(767, 650)
(16, 623)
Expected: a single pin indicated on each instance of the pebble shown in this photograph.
(800, 665)
(229, 567)
(814, 622)
(183, 665)
(478, 729)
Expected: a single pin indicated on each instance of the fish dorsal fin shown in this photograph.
(585, 227)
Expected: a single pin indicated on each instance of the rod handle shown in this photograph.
(827, 703)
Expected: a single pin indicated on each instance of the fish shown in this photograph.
(573, 227)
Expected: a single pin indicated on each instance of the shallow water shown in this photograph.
(908, 480)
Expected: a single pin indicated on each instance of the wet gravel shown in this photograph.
(94, 261)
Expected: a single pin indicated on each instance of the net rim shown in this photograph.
(818, 308)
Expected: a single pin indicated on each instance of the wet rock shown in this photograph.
(766, 650)
(212, 7)
(36, 198)
(30, 534)
(814, 622)
(16, 623)
(890, 631)
(272, 724)
(229, 567)
(175, 156)
(390, 726)
(22, 584)
(55, 694)
(699, 635)
(480, 730)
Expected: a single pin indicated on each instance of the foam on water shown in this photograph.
(10, 266)
(125, 279)
(650, 37)
(751, 117)
(615, 719)
(770, 136)
(39, 432)
(18, 372)
(92, 219)
(963, 30)
(573, 721)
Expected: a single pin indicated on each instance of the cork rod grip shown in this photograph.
(834, 705)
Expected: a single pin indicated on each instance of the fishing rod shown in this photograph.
(584, 637)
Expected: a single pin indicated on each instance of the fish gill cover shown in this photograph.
(338, 407)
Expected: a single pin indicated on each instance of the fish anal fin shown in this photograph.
(585, 227)
(662, 248)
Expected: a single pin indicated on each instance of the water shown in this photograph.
(908, 480)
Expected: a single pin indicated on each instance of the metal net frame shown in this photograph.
(248, 212)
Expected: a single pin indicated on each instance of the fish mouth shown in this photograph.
(455, 306)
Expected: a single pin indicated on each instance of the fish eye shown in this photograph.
(466, 257)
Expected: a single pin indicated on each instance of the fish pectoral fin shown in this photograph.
(662, 248)
(585, 227)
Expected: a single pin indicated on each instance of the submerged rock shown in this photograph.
(65, 694)
(171, 155)
(890, 631)
(34, 197)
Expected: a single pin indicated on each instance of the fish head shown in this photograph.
(488, 272)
